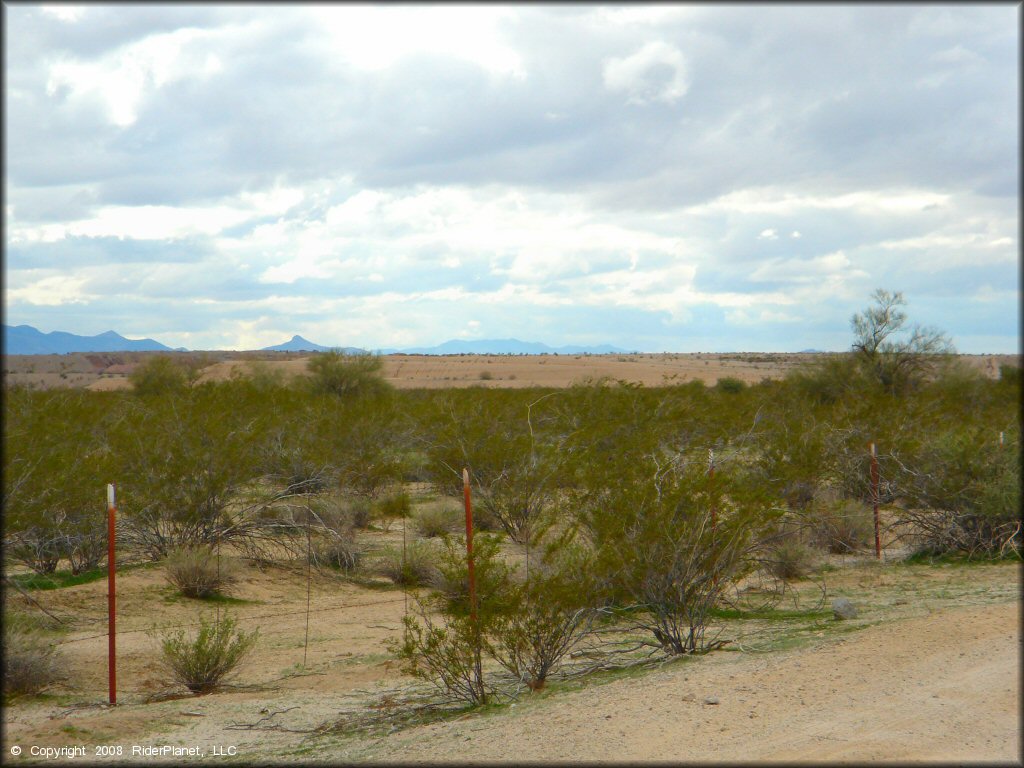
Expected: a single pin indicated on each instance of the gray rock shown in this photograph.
(710, 699)
(843, 609)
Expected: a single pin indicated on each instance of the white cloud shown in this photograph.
(651, 15)
(656, 72)
(163, 222)
(123, 78)
(67, 13)
(375, 37)
(52, 291)
(958, 54)
(768, 234)
(835, 265)
(784, 202)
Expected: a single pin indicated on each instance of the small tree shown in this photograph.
(898, 364)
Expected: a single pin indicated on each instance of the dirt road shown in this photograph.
(939, 688)
(930, 673)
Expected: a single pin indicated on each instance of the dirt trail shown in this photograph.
(941, 683)
(939, 688)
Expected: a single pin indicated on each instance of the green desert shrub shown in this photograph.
(447, 654)
(339, 550)
(336, 514)
(492, 575)
(789, 559)
(842, 527)
(395, 505)
(439, 520)
(339, 373)
(204, 662)
(554, 612)
(962, 492)
(360, 511)
(414, 567)
(198, 572)
(159, 375)
(30, 660)
(730, 385)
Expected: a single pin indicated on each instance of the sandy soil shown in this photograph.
(939, 688)
(105, 371)
(930, 671)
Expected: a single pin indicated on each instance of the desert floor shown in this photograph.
(929, 670)
(104, 371)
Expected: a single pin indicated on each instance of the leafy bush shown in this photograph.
(31, 661)
(730, 385)
(416, 567)
(492, 576)
(448, 655)
(789, 559)
(670, 541)
(842, 527)
(203, 663)
(341, 551)
(190, 464)
(1010, 374)
(439, 520)
(199, 573)
(54, 449)
(37, 548)
(360, 511)
(553, 614)
(338, 373)
(396, 505)
(962, 492)
(159, 375)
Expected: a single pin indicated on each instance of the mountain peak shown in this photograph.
(299, 344)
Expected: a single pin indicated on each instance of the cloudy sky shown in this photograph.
(662, 178)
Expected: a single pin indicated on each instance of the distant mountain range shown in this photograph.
(26, 340)
(503, 347)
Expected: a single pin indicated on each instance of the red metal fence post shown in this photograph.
(714, 507)
(472, 576)
(874, 501)
(111, 597)
(469, 545)
(711, 475)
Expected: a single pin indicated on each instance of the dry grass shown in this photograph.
(199, 572)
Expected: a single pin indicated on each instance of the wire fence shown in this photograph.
(875, 481)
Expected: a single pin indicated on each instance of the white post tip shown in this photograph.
(465, 478)
(872, 449)
(110, 494)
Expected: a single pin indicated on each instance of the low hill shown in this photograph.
(299, 344)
